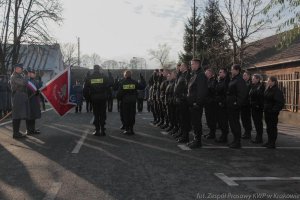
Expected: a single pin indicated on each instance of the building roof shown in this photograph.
(265, 52)
(42, 57)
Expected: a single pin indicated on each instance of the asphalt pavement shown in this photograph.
(67, 162)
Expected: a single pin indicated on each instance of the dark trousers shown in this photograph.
(121, 112)
(110, 102)
(30, 126)
(210, 114)
(99, 110)
(161, 111)
(196, 121)
(222, 119)
(78, 108)
(271, 120)
(257, 116)
(156, 108)
(140, 105)
(119, 105)
(152, 107)
(43, 102)
(129, 114)
(88, 106)
(171, 114)
(234, 123)
(148, 106)
(184, 119)
(246, 118)
(16, 126)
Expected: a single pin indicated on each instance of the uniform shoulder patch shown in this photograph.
(97, 81)
(129, 87)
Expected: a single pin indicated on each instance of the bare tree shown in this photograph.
(25, 21)
(90, 60)
(69, 52)
(243, 19)
(96, 59)
(161, 54)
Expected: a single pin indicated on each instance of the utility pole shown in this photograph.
(78, 39)
(194, 30)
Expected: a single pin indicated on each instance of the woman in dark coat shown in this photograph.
(273, 103)
(256, 96)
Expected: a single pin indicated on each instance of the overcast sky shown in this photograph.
(122, 29)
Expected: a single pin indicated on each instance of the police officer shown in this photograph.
(236, 95)
(160, 112)
(20, 102)
(180, 95)
(163, 107)
(221, 111)
(110, 99)
(34, 104)
(97, 84)
(273, 103)
(256, 96)
(154, 96)
(175, 131)
(246, 108)
(169, 101)
(210, 104)
(196, 97)
(127, 93)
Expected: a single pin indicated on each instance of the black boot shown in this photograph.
(196, 143)
(103, 131)
(16, 129)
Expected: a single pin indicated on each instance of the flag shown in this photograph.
(31, 86)
(56, 92)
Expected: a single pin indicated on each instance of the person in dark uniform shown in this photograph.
(196, 98)
(154, 97)
(246, 109)
(221, 110)
(20, 101)
(180, 95)
(210, 104)
(86, 95)
(98, 83)
(163, 107)
(160, 112)
(236, 95)
(116, 86)
(140, 99)
(78, 90)
(256, 96)
(273, 104)
(127, 93)
(175, 131)
(34, 104)
(110, 99)
(169, 100)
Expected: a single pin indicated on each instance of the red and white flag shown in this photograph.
(56, 92)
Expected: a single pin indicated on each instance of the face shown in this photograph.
(165, 73)
(222, 74)
(246, 77)
(270, 83)
(208, 74)
(32, 75)
(195, 65)
(19, 70)
(234, 72)
(168, 77)
(173, 75)
(255, 80)
(183, 67)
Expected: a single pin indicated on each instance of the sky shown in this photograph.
(122, 29)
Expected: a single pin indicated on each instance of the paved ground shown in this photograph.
(67, 162)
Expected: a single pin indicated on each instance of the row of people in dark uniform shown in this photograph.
(178, 99)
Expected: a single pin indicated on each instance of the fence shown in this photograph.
(290, 85)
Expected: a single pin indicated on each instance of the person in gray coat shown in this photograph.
(34, 104)
(20, 101)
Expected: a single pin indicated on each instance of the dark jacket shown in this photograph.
(34, 102)
(197, 88)
(236, 93)
(97, 84)
(256, 96)
(273, 100)
(163, 87)
(181, 87)
(169, 94)
(247, 99)
(221, 92)
(127, 91)
(211, 91)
